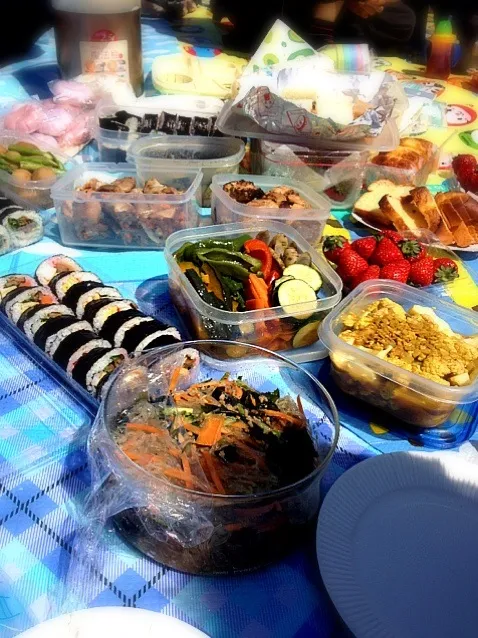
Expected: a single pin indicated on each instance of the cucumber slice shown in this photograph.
(304, 273)
(307, 335)
(297, 298)
(282, 280)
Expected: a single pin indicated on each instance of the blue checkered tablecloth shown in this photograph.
(44, 475)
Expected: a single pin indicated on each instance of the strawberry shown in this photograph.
(351, 264)
(464, 163)
(445, 269)
(334, 246)
(396, 270)
(472, 183)
(372, 272)
(422, 272)
(412, 250)
(391, 234)
(386, 252)
(365, 246)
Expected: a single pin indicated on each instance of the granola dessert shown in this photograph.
(416, 341)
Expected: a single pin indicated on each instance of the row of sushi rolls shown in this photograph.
(84, 326)
(19, 228)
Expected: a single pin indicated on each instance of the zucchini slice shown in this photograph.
(304, 273)
(297, 298)
(282, 280)
(307, 335)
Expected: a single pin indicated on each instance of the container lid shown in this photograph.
(102, 7)
(444, 33)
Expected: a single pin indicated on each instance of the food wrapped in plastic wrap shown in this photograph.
(169, 487)
(287, 104)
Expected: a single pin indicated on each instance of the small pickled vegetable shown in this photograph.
(43, 174)
(24, 158)
(22, 175)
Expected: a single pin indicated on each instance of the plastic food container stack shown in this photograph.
(113, 145)
(131, 220)
(35, 193)
(211, 155)
(337, 175)
(309, 222)
(253, 326)
(408, 396)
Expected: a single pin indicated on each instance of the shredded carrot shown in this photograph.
(284, 417)
(212, 469)
(191, 428)
(211, 430)
(187, 471)
(176, 373)
(141, 458)
(143, 427)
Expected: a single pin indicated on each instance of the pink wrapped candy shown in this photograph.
(79, 132)
(71, 92)
(24, 119)
(55, 122)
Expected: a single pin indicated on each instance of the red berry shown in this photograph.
(445, 269)
(396, 270)
(393, 235)
(412, 250)
(464, 163)
(372, 272)
(365, 246)
(472, 183)
(422, 272)
(351, 264)
(386, 252)
(334, 246)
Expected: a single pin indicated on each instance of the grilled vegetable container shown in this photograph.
(260, 284)
(211, 464)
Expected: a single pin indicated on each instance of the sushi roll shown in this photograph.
(10, 283)
(184, 125)
(63, 284)
(92, 308)
(168, 123)
(51, 328)
(8, 209)
(137, 338)
(75, 292)
(201, 126)
(58, 331)
(25, 227)
(33, 319)
(116, 321)
(97, 364)
(158, 339)
(106, 292)
(19, 303)
(149, 124)
(74, 345)
(54, 266)
(5, 241)
(113, 307)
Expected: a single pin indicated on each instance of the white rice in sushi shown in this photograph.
(143, 345)
(53, 266)
(105, 366)
(33, 324)
(131, 323)
(95, 294)
(12, 282)
(24, 226)
(110, 309)
(54, 341)
(87, 347)
(65, 283)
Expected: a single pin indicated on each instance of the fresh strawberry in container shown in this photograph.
(421, 272)
(466, 171)
(334, 246)
(444, 270)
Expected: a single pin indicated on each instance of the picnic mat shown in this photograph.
(43, 468)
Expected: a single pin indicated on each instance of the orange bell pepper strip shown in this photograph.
(260, 250)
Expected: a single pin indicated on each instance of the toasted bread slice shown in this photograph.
(421, 200)
(467, 208)
(368, 205)
(422, 147)
(402, 216)
(401, 157)
(449, 206)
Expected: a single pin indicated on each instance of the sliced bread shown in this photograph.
(368, 205)
(422, 201)
(403, 217)
(449, 207)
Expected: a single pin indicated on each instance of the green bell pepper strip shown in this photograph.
(220, 254)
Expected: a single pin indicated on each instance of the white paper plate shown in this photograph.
(469, 249)
(117, 622)
(397, 547)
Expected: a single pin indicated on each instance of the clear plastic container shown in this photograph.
(133, 220)
(211, 155)
(408, 396)
(256, 327)
(405, 176)
(190, 530)
(113, 145)
(337, 175)
(310, 222)
(34, 194)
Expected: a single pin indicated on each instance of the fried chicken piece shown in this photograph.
(243, 191)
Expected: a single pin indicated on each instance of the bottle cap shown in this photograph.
(444, 28)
